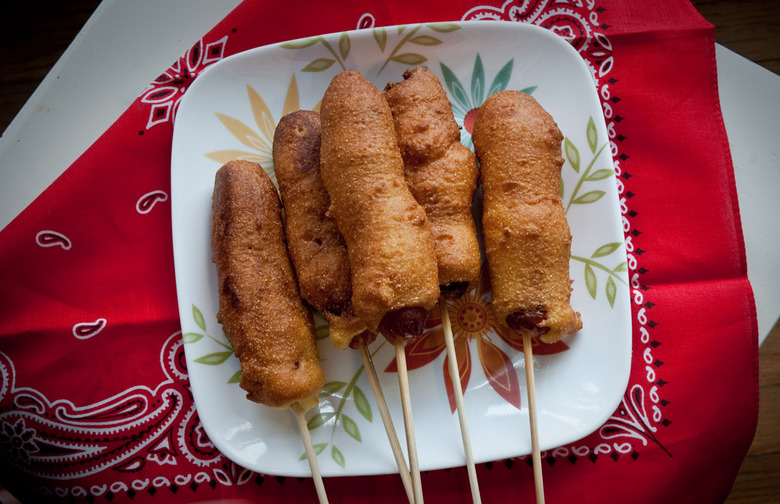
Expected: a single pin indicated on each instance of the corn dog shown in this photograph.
(260, 310)
(316, 247)
(441, 172)
(319, 253)
(388, 237)
(527, 237)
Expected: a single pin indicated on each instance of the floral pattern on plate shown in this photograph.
(231, 111)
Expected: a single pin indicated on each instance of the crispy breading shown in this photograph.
(527, 236)
(391, 251)
(260, 309)
(316, 247)
(441, 172)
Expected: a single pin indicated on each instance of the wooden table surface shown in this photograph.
(33, 35)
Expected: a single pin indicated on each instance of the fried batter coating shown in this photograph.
(316, 247)
(388, 237)
(441, 172)
(527, 237)
(260, 310)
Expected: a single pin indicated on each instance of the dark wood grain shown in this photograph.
(750, 28)
(34, 34)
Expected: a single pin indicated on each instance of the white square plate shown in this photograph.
(230, 111)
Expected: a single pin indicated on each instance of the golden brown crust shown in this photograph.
(316, 247)
(260, 310)
(441, 172)
(388, 236)
(527, 237)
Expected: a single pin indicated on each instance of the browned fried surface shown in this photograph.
(441, 172)
(527, 237)
(316, 247)
(259, 306)
(388, 237)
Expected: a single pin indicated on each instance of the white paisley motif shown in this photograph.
(165, 93)
(62, 441)
(566, 19)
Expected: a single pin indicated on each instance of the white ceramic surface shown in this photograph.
(577, 388)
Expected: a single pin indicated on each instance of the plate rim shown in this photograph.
(192, 94)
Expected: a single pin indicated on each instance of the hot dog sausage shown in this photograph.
(388, 237)
(527, 237)
(441, 172)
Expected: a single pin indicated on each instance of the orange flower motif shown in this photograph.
(472, 318)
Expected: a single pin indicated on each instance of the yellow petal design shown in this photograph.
(292, 101)
(224, 156)
(263, 117)
(244, 133)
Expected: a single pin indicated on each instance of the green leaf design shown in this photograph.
(455, 88)
(589, 197)
(621, 267)
(478, 81)
(592, 134)
(322, 332)
(590, 280)
(337, 456)
(560, 188)
(599, 175)
(529, 90)
(380, 35)
(319, 65)
(350, 427)
(409, 59)
(198, 317)
(331, 388)
(362, 404)
(605, 250)
(425, 40)
(572, 154)
(300, 44)
(191, 337)
(236, 378)
(319, 420)
(443, 27)
(344, 46)
(318, 448)
(214, 359)
(501, 80)
(611, 289)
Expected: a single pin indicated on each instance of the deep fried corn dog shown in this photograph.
(441, 172)
(316, 247)
(527, 237)
(391, 251)
(260, 310)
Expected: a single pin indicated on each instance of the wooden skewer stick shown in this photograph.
(406, 405)
(384, 412)
(455, 378)
(306, 438)
(531, 390)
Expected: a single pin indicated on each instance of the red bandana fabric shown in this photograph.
(95, 403)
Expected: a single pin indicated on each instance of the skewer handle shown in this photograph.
(306, 438)
(384, 412)
(455, 378)
(531, 390)
(406, 405)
